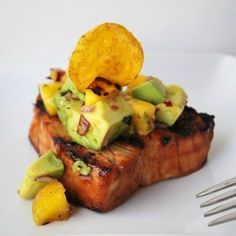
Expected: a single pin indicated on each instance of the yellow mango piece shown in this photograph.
(143, 116)
(50, 204)
(47, 92)
(109, 51)
(91, 98)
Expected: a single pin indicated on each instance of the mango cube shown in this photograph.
(143, 116)
(47, 92)
(50, 204)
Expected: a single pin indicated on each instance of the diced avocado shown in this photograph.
(169, 111)
(65, 106)
(152, 91)
(47, 165)
(143, 116)
(47, 92)
(96, 126)
(69, 86)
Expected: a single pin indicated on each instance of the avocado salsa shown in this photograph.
(104, 112)
(102, 95)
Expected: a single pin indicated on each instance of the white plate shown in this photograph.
(169, 207)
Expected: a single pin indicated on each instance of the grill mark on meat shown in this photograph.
(58, 140)
(109, 158)
(110, 150)
(75, 151)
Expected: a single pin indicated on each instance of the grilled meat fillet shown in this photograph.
(120, 168)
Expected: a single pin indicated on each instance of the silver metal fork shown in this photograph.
(229, 205)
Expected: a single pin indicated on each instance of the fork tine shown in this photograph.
(221, 208)
(217, 187)
(223, 219)
(219, 198)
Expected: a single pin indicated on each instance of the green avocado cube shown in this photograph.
(48, 165)
(68, 86)
(95, 126)
(170, 110)
(152, 91)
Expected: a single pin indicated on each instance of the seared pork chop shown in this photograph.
(123, 166)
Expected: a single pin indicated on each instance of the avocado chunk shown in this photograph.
(143, 116)
(152, 91)
(47, 165)
(69, 86)
(93, 126)
(169, 111)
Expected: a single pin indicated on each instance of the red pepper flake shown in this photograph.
(114, 107)
(83, 126)
(168, 103)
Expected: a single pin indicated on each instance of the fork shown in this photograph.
(229, 205)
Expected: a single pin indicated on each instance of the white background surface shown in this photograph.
(36, 35)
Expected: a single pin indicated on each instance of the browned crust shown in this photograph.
(185, 152)
(119, 169)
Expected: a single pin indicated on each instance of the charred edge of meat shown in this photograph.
(184, 125)
(208, 120)
(96, 209)
(165, 140)
(191, 121)
(132, 140)
(74, 200)
(39, 105)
